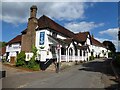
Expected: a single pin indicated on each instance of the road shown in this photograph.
(93, 74)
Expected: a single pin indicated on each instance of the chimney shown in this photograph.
(33, 11)
(28, 39)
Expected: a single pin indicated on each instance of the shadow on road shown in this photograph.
(104, 68)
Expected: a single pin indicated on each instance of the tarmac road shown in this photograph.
(93, 74)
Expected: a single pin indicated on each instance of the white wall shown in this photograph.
(98, 51)
(61, 37)
(28, 56)
(88, 41)
(45, 53)
(42, 52)
(13, 47)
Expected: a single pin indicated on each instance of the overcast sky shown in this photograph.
(99, 18)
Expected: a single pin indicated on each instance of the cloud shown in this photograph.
(60, 0)
(18, 12)
(113, 32)
(82, 26)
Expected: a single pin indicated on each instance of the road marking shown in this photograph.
(21, 86)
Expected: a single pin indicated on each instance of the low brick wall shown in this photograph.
(63, 65)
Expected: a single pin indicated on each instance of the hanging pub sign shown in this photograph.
(42, 38)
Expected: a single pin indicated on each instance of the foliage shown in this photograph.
(110, 46)
(21, 59)
(34, 51)
(110, 54)
(91, 57)
(117, 59)
(3, 60)
(33, 64)
(2, 44)
(42, 47)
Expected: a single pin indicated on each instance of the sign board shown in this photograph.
(42, 38)
(58, 46)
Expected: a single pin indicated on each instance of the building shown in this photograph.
(13, 48)
(3, 53)
(53, 41)
(98, 49)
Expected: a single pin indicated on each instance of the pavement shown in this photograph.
(11, 71)
(93, 74)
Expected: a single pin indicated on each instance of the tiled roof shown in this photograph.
(15, 40)
(68, 40)
(2, 50)
(96, 42)
(81, 36)
(62, 41)
(46, 22)
(82, 47)
(24, 31)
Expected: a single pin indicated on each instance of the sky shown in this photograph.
(99, 18)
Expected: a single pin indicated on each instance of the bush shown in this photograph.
(32, 64)
(110, 54)
(91, 58)
(21, 59)
(117, 59)
(3, 60)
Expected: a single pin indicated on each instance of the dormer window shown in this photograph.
(54, 34)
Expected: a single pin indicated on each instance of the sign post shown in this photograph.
(58, 59)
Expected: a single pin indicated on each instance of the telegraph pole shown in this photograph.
(119, 26)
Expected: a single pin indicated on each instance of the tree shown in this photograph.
(110, 46)
(2, 44)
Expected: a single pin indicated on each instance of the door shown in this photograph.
(12, 60)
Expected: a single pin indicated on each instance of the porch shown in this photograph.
(71, 55)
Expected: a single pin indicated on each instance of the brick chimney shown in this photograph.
(28, 38)
(33, 11)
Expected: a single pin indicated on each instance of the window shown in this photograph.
(80, 52)
(84, 53)
(28, 56)
(91, 53)
(10, 45)
(54, 34)
(63, 51)
(70, 51)
(52, 49)
(17, 52)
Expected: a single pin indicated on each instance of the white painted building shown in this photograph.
(3, 53)
(53, 41)
(98, 49)
(13, 48)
